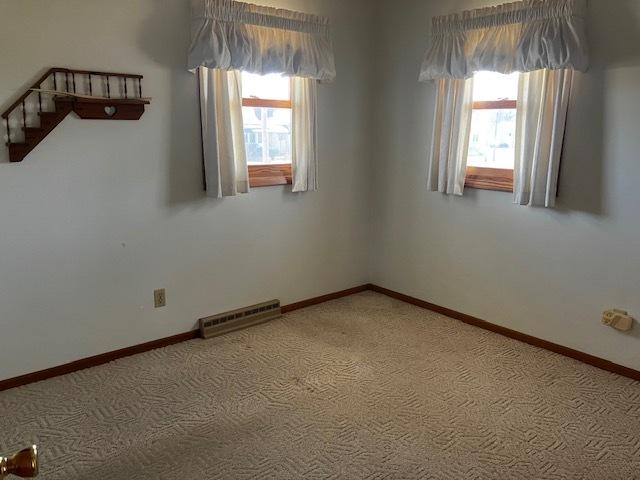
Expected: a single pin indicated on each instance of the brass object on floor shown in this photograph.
(22, 464)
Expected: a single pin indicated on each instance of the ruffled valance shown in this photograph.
(231, 35)
(523, 36)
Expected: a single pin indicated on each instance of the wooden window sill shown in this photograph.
(269, 175)
(499, 179)
(495, 105)
(266, 103)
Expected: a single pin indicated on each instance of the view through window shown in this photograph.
(266, 111)
(493, 124)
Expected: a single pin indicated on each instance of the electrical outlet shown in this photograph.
(159, 298)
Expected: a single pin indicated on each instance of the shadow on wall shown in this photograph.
(614, 36)
(165, 39)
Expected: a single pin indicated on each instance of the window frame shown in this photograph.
(273, 174)
(487, 178)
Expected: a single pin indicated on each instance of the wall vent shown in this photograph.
(240, 318)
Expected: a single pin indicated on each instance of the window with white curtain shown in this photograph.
(258, 128)
(482, 120)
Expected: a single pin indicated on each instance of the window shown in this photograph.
(491, 155)
(266, 112)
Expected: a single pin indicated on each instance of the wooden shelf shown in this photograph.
(87, 106)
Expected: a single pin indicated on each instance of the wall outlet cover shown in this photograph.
(159, 298)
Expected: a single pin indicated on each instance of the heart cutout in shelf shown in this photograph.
(110, 111)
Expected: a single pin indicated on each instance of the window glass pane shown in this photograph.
(495, 86)
(492, 140)
(267, 133)
(271, 87)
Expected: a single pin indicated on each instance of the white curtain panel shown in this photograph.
(521, 36)
(451, 129)
(225, 161)
(232, 35)
(304, 154)
(543, 100)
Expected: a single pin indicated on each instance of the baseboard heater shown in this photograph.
(238, 319)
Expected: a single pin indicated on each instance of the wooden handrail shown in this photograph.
(54, 70)
(91, 72)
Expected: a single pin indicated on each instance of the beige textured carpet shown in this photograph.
(362, 387)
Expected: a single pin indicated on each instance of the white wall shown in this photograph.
(102, 213)
(542, 272)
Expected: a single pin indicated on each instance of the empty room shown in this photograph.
(320, 239)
